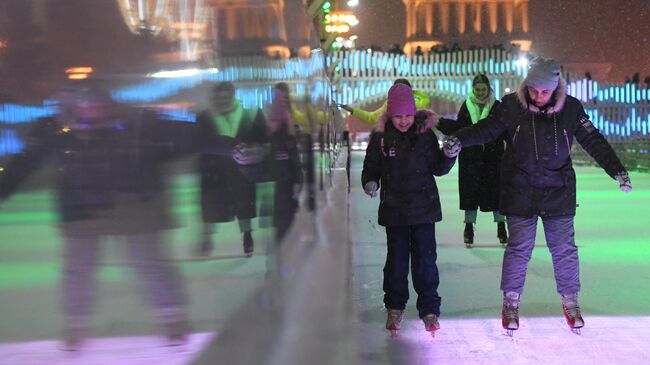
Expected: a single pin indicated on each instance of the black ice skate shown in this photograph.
(572, 313)
(394, 320)
(431, 323)
(510, 312)
(205, 248)
(468, 235)
(248, 244)
(176, 333)
(502, 234)
(75, 338)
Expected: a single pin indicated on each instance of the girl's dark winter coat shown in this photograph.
(403, 164)
(537, 175)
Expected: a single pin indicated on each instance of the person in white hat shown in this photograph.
(538, 181)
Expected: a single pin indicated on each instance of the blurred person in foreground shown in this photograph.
(282, 169)
(284, 165)
(109, 183)
(538, 180)
(226, 192)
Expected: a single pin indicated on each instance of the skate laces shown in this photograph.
(431, 321)
(512, 311)
(511, 305)
(395, 315)
(394, 320)
(571, 306)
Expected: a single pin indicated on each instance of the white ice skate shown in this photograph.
(571, 310)
(431, 324)
(394, 320)
(510, 312)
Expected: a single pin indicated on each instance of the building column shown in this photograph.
(279, 8)
(509, 15)
(409, 20)
(461, 18)
(230, 15)
(524, 16)
(414, 16)
(444, 17)
(493, 16)
(476, 17)
(216, 33)
(429, 18)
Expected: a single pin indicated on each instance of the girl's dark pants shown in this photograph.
(417, 242)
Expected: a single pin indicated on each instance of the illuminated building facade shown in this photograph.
(185, 24)
(250, 27)
(227, 27)
(467, 23)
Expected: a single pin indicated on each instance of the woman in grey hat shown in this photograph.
(538, 180)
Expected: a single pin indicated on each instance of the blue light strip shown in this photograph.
(634, 124)
(10, 143)
(15, 114)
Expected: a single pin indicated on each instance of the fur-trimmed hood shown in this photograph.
(429, 117)
(560, 98)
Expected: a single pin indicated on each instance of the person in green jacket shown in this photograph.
(301, 119)
(226, 192)
(422, 101)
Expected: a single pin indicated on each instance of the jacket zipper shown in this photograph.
(514, 139)
(566, 138)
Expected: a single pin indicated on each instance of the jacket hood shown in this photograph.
(559, 95)
(429, 120)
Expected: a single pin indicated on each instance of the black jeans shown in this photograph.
(419, 243)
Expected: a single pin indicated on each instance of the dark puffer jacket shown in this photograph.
(404, 165)
(537, 175)
(109, 180)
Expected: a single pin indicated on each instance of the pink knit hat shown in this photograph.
(279, 107)
(400, 100)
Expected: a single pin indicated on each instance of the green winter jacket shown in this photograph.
(422, 101)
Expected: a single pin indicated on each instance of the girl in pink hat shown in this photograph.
(402, 158)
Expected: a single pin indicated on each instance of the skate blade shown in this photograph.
(469, 245)
(576, 331)
(71, 349)
(393, 333)
(510, 332)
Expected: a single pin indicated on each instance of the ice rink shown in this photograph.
(611, 232)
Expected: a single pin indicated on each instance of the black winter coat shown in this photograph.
(403, 164)
(537, 175)
(226, 192)
(286, 172)
(479, 166)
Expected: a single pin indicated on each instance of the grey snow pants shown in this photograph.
(559, 233)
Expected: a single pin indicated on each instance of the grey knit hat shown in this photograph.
(543, 73)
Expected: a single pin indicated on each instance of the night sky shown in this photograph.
(578, 31)
(614, 31)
